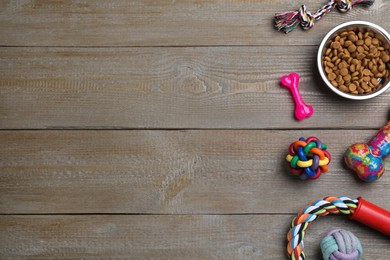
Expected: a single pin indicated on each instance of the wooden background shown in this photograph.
(153, 129)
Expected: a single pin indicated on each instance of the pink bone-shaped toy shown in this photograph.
(291, 82)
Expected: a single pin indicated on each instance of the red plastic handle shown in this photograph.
(372, 216)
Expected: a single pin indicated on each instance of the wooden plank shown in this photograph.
(168, 237)
(164, 23)
(172, 172)
(137, 88)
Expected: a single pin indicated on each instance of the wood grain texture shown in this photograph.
(167, 237)
(172, 172)
(158, 130)
(164, 22)
(137, 88)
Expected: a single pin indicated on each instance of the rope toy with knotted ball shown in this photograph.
(341, 244)
(308, 159)
(288, 21)
(357, 209)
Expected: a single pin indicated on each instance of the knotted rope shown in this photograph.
(326, 206)
(288, 21)
(308, 158)
(341, 244)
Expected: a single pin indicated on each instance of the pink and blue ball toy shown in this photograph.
(366, 160)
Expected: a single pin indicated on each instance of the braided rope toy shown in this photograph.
(308, 159)
(357, 209)
(288, 21)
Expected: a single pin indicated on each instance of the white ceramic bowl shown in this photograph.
(378, 31)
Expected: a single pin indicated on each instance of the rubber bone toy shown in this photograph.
(366, 160)
(301, 109)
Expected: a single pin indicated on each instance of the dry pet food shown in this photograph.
(357, 62)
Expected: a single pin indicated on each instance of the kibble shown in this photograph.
(343, 71)
(331, 76)
(352, 48)
(357, 62)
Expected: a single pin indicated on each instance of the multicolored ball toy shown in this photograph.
(366, 160)
(308, 159)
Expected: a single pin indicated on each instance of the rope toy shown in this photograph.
(357, 209)
(366, 160)
(329, 205)
(308, 159)
(288, 21)
(341, 244)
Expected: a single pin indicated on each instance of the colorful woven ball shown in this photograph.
(341, 244)
(308, 159)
